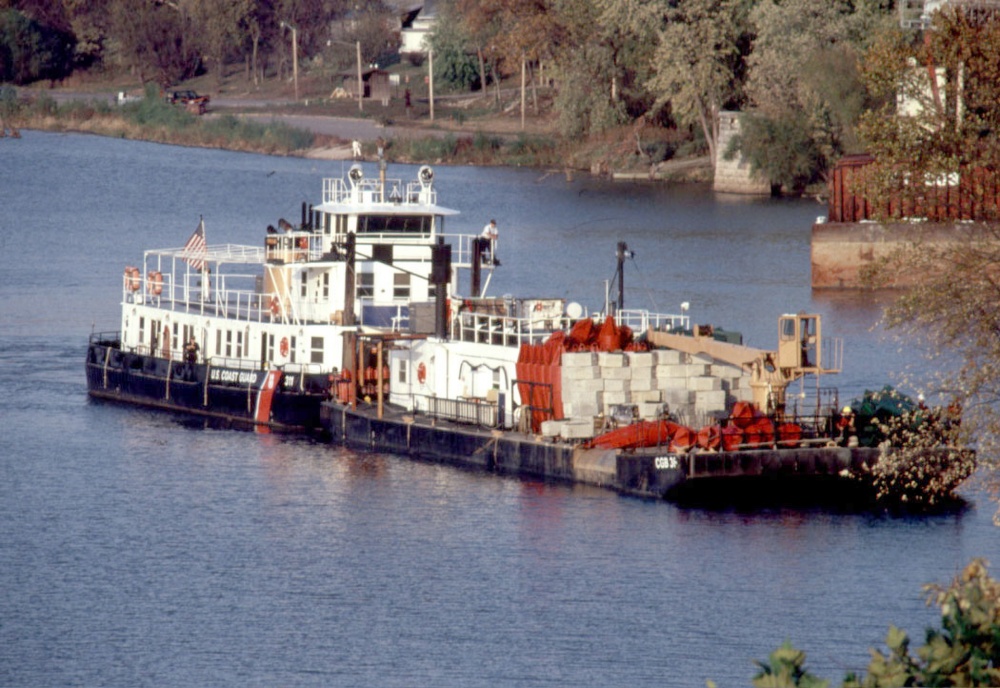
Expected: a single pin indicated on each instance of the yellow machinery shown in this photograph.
(801, 351)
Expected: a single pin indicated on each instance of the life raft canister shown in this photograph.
(155, 283)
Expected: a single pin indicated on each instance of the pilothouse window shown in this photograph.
(394, 224)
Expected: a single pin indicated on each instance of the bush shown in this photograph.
(965, 651)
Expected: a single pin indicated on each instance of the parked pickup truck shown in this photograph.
(190, 100)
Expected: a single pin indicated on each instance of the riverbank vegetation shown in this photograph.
(555, 80)
(964, 651)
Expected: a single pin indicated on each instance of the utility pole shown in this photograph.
(361, 85)
(295, 55)
(430, 80)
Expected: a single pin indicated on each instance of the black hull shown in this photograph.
(159, 383)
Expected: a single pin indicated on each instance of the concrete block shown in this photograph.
(642, 384)
(704, 384)
(578, 359)
(612, 398)
(582, 409)
(583, 387)
(611, 359)
(666, 357)
(617, 385)
(581, 373)
(649, 410)
(678, 370)
(578, 429)
(701, 359)
(681, 370)
(641, 359)
(552, 428)
(724, 370)
(616, 373)
(652, 395)
(711, 400)
(677, 397)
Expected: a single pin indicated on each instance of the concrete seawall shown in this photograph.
(841, 250)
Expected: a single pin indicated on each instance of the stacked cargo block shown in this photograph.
(694, 388)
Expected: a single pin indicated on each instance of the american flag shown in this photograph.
(195, 250)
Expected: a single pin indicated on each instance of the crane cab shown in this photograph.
(799, 338)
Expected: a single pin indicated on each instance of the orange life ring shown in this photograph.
(283, 346)
(303, 242)
(155, 283)
(421, 373)
(132, 278)
(538, 305)
(275, 306)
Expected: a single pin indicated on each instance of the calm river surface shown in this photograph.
(140, 549)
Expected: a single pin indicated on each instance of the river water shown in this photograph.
(138, 548)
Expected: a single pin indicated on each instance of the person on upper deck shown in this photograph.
(490, 233)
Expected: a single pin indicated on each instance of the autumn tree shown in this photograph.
(938, 124)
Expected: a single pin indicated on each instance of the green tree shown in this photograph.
(30, 50)
(695, 61)
(804, 86)
(455, 63)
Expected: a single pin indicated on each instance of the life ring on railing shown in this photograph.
(303, 242)
(421, 373)
(538, 305)
(132, 278)
(275, 306)
(283, 346)
(155, 283)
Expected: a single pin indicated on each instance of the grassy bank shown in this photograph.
(153, 119)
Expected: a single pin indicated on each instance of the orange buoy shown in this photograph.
(732, 438)
(132, 275)
(710, 437)
(154, 283)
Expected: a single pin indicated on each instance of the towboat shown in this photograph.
(369, 322)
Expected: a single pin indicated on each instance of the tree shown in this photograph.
(222, 26)
(695, 61)
(455, 63)
(30, 50)
(154, 41)
(804, 86)
(946, 131)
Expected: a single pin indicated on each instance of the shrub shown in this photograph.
(965, 651)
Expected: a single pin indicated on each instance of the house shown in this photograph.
(414, 35)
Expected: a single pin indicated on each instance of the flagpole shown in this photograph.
(204, 267)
